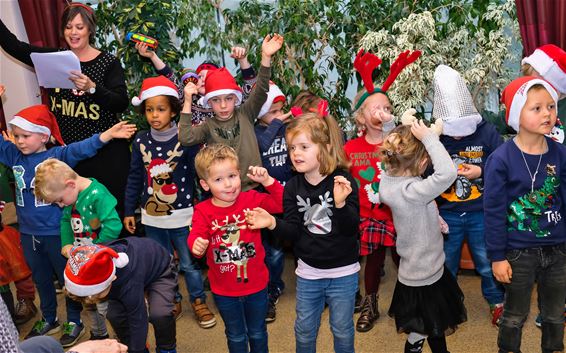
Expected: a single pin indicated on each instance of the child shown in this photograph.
(89, 217)
(373, 116)
(270, 133)
(427, 301)
(128, 273)
(162, 172)
(237, 271)
(40, 221)
(231, 126)
(549, 62)
(523, 204)
(321, 217)
(469, 140)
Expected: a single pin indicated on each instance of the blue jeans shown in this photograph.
(178, 238)
(43, 255)
(546, 266)
(41, 344)
(340, 294)
(274, 259)
(470, 225)
(244, 319)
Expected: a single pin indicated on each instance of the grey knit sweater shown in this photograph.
(415, 215)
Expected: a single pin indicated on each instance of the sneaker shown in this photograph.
(25, 311)
(274, 294)
(42, 327)
(94, 337)
(358, 302)
(71, 334)
(271, 312)
(177, 310)
(496, 312)
(538, 321)
(204, 316)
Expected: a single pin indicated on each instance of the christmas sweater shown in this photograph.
(237, 131)
(92, 218)
(235, 254)
(273, 150)
(79, 115)
(35, 216)
(466, 195)
(148, 261)
(521, 212)
(161, 179)
(366, 170)
(324, 236)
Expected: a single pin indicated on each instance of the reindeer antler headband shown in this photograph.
(366, 63)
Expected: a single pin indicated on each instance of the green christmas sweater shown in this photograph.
(92, 218)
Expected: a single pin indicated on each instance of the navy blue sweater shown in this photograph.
(273, 150)
(515, 217)
(467, 195)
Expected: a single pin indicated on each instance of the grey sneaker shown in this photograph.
(71, 334)
(42, 327)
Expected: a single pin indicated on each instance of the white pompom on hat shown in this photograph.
(274, 95)
(550, 62)
(91, 269)
(155, 86)
(219, 82)
(514, 96)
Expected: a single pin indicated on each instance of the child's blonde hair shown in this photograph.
(50, 177)
(325, 132)
(401, 151)
(211, 154)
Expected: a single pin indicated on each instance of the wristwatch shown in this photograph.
(92, 90)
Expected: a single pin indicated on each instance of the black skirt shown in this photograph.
(434, 310)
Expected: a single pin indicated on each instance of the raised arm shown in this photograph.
(19, 50)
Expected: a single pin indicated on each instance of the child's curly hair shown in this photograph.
(402, 152)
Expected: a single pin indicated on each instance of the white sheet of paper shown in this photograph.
(54, 69)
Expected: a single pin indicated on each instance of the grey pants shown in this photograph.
(41, 344)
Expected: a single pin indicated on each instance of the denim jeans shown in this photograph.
(41, 344)
(546, 266)
(43, 255)
(470, 225)
(244, 319)
(274, 259)
(178, 238)
(340, 294)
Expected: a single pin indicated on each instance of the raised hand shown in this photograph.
(199, 246)
(271, 44)
(142, 49)
(120, 130)
(8, 136)
(419, 129)
(342, 188)
(259, 218)
(190, 90)
(260, 175)
(284, 117)
(239, 53)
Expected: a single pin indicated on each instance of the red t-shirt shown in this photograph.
(235, 254)
(366, 169)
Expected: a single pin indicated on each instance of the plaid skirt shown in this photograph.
(375, 233)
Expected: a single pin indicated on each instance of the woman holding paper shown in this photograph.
(96, 101)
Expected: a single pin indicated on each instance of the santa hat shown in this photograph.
(219, 82)
(155, 86)
(453, 103)
(514, 96)
(207, 65)
(156, 166)
(550, 62)
(39, 119)
(90, 269)
(274, 95)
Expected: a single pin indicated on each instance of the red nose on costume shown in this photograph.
(169, 189)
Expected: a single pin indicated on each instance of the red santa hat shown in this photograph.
(219, 82)
(155, 86)
(274, 95)
(156, 166)
(514, 96)
(550, 62)
(91, 269)
(39, 119)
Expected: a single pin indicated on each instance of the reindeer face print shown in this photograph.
(317, 217)
(224, 183)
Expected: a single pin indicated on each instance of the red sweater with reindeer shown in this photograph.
(235, 254)
(161, 180)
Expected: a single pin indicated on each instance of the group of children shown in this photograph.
(384, 189)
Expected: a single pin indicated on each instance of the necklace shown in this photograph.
(532, 196)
